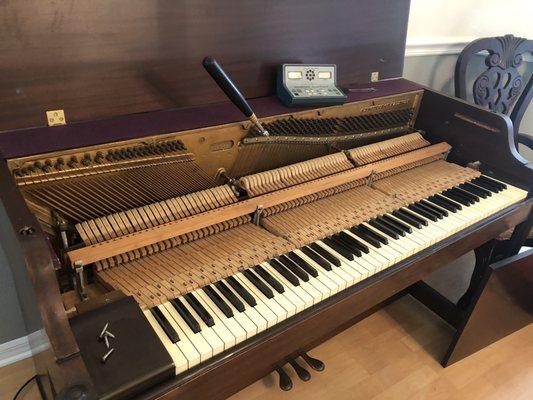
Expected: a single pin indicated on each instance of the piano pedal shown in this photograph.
(285, 382)
(302, 373)
(314, 363)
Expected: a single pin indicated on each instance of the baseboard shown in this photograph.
(20, 349)
(435, 46)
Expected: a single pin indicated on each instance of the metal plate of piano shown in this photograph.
(378, 258)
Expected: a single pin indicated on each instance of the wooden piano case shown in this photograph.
(126, 70)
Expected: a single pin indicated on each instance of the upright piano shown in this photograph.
(162, 247)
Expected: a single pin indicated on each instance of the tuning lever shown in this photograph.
(234, 94)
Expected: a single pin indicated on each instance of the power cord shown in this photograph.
(23, 386)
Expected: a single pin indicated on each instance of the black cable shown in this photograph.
(23, 386)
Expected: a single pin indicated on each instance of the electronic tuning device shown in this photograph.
(309, 85)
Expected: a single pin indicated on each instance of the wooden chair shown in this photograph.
(500, 88)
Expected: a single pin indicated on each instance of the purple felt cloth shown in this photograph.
(24, 142)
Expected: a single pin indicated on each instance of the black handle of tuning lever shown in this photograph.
(226, 84)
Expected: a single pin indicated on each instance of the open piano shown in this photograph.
(214, 253)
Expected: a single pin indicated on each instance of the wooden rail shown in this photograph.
(132, 241)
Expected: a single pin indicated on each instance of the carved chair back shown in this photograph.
(501, 87)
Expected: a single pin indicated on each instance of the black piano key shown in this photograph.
(325, 264)
(467, 187)
(440, 203)
(436, 212)
(354, 242)
(349, 246)
(448, 201)
(241, 290)
(186, 315)
(380, 227)
(460, 195)
(303, 264)
(424, 213)
(374, 234)
(466, 194)
(414, 216)
(219, 301)
(433, 207)
(228, 294)
(343, 251)
(165, 325)
(456, 198)
(258, 284)
(486, 185)
(400, 225)
(263, 273)
(392, 227)
(294, 268)
(285, 272)
(200, 309)
(406, 218)
(493, 182)
(358, 232)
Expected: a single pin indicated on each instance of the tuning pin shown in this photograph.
(99, 157)
(47, 167)
(302, 373)
(73, 162)
(285, 382)
(314, 363)
(37, 164)
(86, 160)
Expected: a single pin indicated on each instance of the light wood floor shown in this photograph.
(390, 355)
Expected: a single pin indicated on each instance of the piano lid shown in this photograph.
(108, 58)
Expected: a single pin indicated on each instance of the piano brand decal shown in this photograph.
(220, 146)
(386, 106)
(476, 122)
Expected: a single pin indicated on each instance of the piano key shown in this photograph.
(227, 328)
(179, 360)
(382, 228)
(429, 210)
(465, 194)
(249, 320)
(456, 198)
(228, 294)
(390, 226)
(412, 215)
(283, 270)
(317, 258)
(354, 241)
(431, 206)
(443, 204)
(324, 283)
(307, 298)
(218, 301)
(486, 185)
(332, 260)
(278, 287)
(349, 272)
(398, 223)
(195, 338)
(373, 234)
(294, 268)
(407, 219)
(200, 310)
(493, 182)
(287, 299)
(165, 325)
(186, 315)
(448, 201)
(302, 264)
(382, 255)
(279, 312)
(345, 243)
(421, 211)
(338, 247)
(367, 238)
(255, 281)
(207, 332)
(241, 290)
(476, 189)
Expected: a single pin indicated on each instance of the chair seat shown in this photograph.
(507, 234)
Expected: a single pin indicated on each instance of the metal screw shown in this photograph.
(106, 355)
(103, 331)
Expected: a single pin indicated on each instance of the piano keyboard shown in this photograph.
(205, 322)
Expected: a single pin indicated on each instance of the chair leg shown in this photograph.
(483, 258)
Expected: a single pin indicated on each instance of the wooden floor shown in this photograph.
(390, 355)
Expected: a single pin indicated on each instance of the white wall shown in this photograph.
(445, 21)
